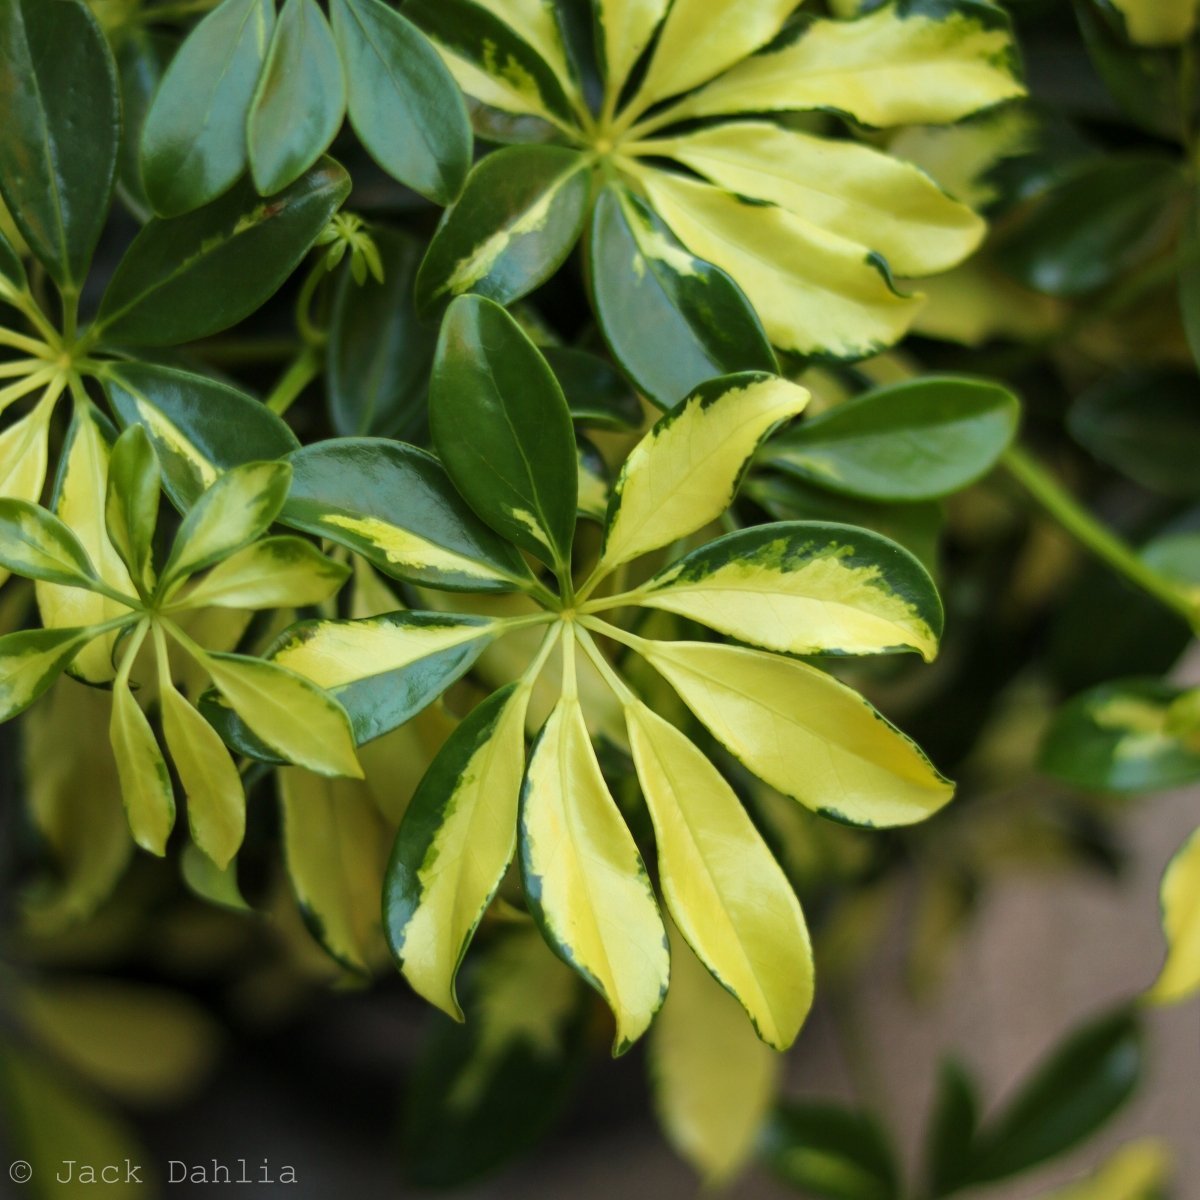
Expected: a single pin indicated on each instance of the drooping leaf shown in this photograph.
(199, 427)
(238, 508)
(915, 440)
(803, 732)
(685, 472)
(1074, 1091)
(1115, 737)
(290, 714)
(519, 216)
(189, 276)
(377, 364)
(194, 137)
(728, 896)
(59, 137)
(502, 428)
(454, 845)
(394, 505)
(299, 99)
(403, 103)
(1180, 896)
(584, 878)
(672, 320)
(713, 1081)
(831, 1152)
(804, 587)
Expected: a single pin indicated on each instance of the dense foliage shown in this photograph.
(500, 467)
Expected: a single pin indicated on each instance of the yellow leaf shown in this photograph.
(803, 732)
(726, 893)
(891, 67)
(80, 503)
(454, 845)
(145, 781)
(713, 1080)
(275, 572)
(685, 471)
(534, 21)
(1137, 1171)
(845, 188)
(585, 880)
(335, 842)
(1158, 22)
(816, 292)
(23, 454)
(701, 38)
(627, 27)
(216, 802)
(293, 716)
(1180, 896)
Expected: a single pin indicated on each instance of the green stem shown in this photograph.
(294, 380)
(1078, 522)
(18, 341)
(310, 332)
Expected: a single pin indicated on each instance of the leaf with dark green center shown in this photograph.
(394, 505)
(503, 430)
(403, 103)
(61, 130)
(299, 101)
(911, 441)
(36, 544)
(671, 319)
(30, 661)
(199, 427)
(194, 137)
(521, 212)
(377, 367)
(1116, 737)
(190, 276)
(131, 502)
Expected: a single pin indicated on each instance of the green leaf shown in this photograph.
(1146, 424)
(142, 59)
(520, 213)
(289, 713)
(1116, 737)
(131, 502)
(595, 392)
(199, 427)
(12, 270)
(916, 525)
(193, 275)
(910, 441)
(36, 544)
(1108, 216)
(516, 76)
(671, 319)
(299, 101)
(377, 363)
(454, 846)
(393, 504)
(384, 670)
(804, 587)
(831, 1152)
(950, 1145)
(61, 129)
(585, 881)
(403, 102)
(238, 508)
(194, 137)
(503, 430)
(275, 572)
(30, 661)
(1072, 1094)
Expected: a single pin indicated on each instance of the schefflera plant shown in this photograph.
(508, 500)
(670, 130)
(219, 558)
